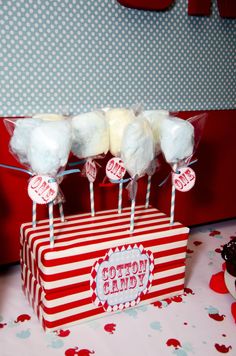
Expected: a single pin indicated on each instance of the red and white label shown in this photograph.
(91, 170)
(121, 279)
(42, 190)
(184, 180)
(115, 169)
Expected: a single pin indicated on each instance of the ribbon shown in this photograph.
(16, 169)
(83, 173)
(72, 164)
(64, 173)
(132, 187)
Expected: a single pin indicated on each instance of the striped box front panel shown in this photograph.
(57, 281)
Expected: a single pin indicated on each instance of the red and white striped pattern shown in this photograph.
(57, 281)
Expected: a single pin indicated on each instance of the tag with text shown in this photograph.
(121, 279)
(115, 169)
(184, 180)
(42, 190)
(91, 170)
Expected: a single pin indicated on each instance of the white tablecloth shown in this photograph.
(198, 323)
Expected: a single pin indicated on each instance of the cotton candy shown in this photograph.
(177, 139)
(155, 118)
(118, 119)
(137, 147)
(48, 117)
(49, 147)
(90, 135)
(21, 135)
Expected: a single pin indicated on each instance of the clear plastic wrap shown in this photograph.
(137, 153)
(90, 135)
(179, 140)
(118, 119)
(90, 141)
(42, 144)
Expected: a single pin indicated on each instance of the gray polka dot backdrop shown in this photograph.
(75, 55)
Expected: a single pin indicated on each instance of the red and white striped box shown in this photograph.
(97, 266)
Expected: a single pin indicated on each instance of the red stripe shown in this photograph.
(62, 291)
(43, 224)
(87, 301)
(87, 270)
(76, 235)
(85, 286)
(72, 318)
(80, 257)
(97, 311)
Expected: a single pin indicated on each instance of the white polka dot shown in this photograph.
(162, 59)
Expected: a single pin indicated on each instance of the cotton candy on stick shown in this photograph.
(118, 119)
(177, 143)
(48, 153)
(19, 144)
(49, 147)
(45, 148)
(20, 138)
(53, 117)
(90, 136)
(137, 151)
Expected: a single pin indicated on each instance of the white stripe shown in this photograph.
(88, 215)
(70, 312)
(87, 263)
(78, 296)
(87, 307)
(96, 234)
(86, 277)
(145, 302)
(90, 223)
(111, 244)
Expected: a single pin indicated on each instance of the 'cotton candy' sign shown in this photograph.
(121, 279)
(42, 189)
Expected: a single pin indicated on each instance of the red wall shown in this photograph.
(213, 197)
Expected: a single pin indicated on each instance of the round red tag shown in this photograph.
(115, 169)
(42, 190)
(91, 170)
(184, 180)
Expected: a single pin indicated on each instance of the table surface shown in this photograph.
(197, 323)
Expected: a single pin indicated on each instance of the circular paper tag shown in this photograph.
(115, 169)
(41, 190)
(184, 180)
(91, 170)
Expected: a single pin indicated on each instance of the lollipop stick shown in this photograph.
(132, 215)
(34, 207)
(51, 226)
(172, 205)
(61, 212)
(148, 191)
(120, 198)
(91, 198)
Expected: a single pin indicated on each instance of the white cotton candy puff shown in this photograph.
(21, 135)
(48, 117)
(177, 139)
(90, 134)
(137, 148)
(118, 119)
(49, 147)
(155, 118)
